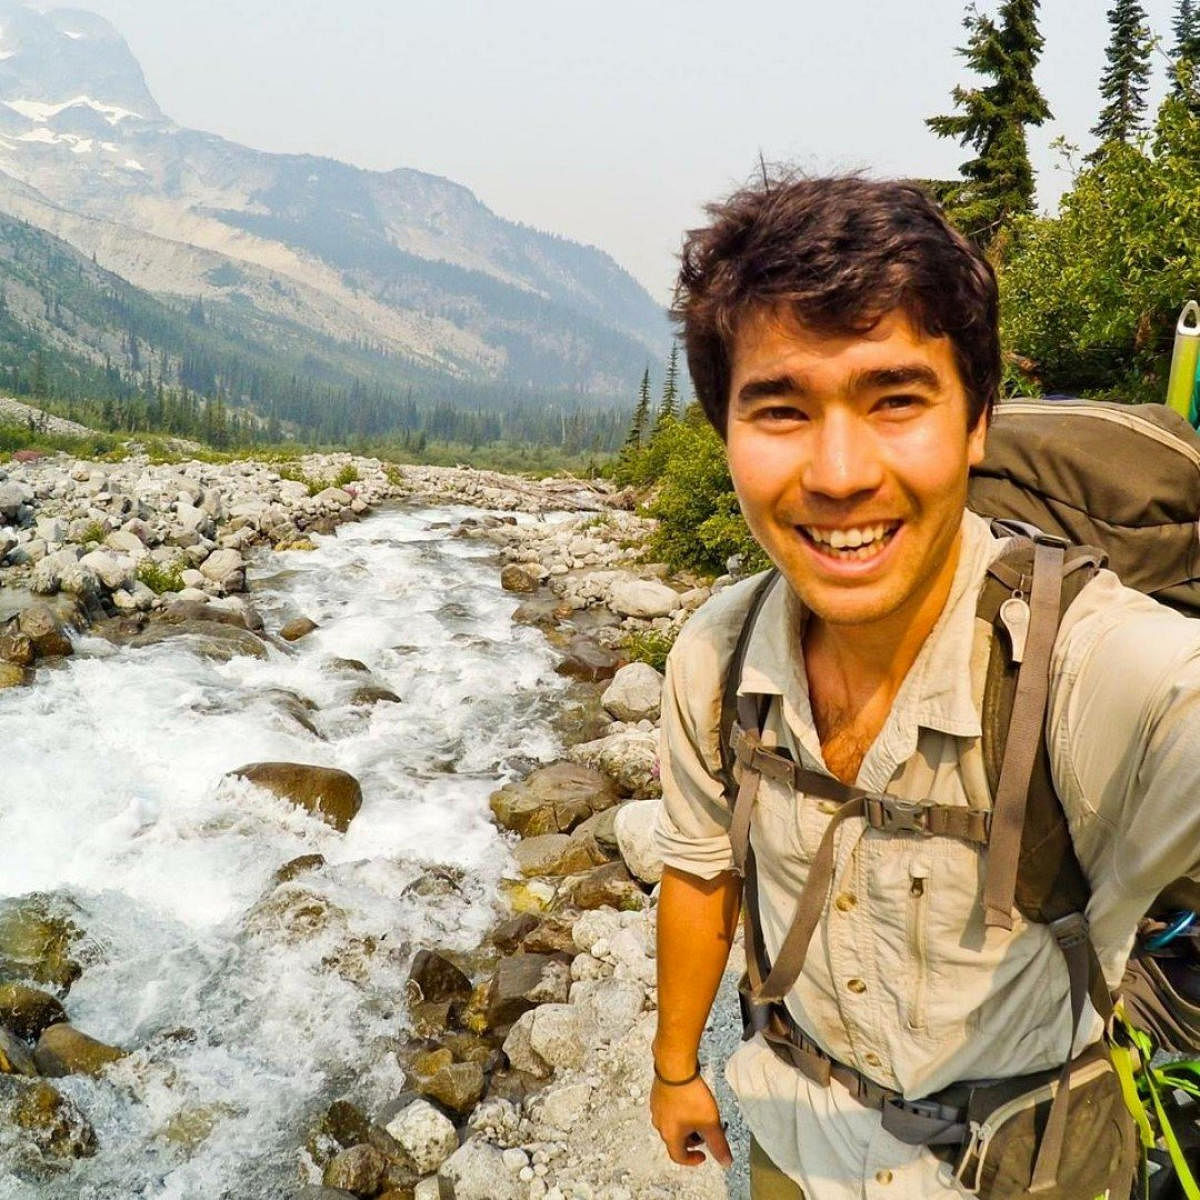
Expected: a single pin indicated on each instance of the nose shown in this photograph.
(844, 459)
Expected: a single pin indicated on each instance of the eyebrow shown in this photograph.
(877, 379)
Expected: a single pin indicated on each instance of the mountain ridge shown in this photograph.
(401, 259)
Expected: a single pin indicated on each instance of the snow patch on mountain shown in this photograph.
(39, 110)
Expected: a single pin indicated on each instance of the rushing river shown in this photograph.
(246, 1017)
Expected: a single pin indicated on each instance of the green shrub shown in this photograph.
(650, 646)
(95, 532)
(700, 524)
(161, 577)
(348, 474)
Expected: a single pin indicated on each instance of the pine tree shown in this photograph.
(1186, 53)
(1123, 84)
(998, 182)
(669, 408)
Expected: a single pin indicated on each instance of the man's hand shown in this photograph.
(687, 1117)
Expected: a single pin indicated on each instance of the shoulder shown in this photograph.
(706, 643)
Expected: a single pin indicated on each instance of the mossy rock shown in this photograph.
(36, 940)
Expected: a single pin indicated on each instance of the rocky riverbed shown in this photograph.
(525, 1059)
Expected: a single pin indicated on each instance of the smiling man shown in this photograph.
(842, 339)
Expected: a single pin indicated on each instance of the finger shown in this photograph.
(679, 1147)
(718, 1145)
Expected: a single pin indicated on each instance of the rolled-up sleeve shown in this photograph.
(692, 832)
(1126, 733)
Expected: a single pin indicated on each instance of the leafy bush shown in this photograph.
(700, 524)
(650, 646)
(161, 577)
(348, 474)
(94, 532)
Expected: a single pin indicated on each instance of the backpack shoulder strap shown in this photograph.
(733, 680)
(1031, 860)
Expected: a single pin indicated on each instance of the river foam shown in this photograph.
(247, 1016)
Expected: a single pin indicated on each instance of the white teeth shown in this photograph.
(848, 539)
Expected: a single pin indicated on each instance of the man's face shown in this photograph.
(849, 455)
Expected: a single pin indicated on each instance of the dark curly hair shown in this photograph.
(840, 253)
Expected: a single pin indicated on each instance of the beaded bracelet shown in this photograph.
(677, 1082)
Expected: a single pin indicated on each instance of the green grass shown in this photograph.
(650, 646)
(95, 532)
(161, 577)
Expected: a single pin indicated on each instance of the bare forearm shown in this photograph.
(696, 923)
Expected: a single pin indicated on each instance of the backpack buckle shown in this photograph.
(1051, 539)
(890, 814)
(1070, 931)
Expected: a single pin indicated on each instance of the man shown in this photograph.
(842, 340)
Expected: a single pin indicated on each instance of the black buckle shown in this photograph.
(1051, 539)
(898, 816)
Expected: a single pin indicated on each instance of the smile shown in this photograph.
(854, 544)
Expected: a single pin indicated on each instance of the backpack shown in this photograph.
(1047, 477)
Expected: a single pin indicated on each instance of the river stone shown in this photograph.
(342, 1126)
(64, 1050)
(13, 495)
(519, 577)
(520, 1051)
(553, 854)
(214, 640)
(35, 942)
(54, 1122)
(39, 623)
(296, 628)
(552, 799)
(476, 1171)
(644, 598)
(600, 829)
(226, 567)
(556, 1036)
(586, 659)
(635, 693)
(521, 982)
(553, 935)
(16, 648)
(335, 796)
(426, 1135)
(629, 759)
(608, 1007)
(609, 886)
(15, 1058)
(181, 610)
(456, 1085)
(26, 1011)
(635, 824)
(438, 979)
(359, 1170)
(373, 694)
(11, 675)
(315, 1191)
(126, 541)
(299, 866)
(112, 571)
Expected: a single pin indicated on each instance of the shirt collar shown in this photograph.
(937, 692)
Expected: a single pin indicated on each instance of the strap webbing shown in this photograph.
(1025, 733)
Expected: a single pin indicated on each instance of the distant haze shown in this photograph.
(612, 131)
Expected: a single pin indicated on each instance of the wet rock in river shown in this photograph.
(553, 799)
(36, 941)
(359, 1170)
(437, 979)
(335, 796)
(40, 624)
(52, 1121)
(15, 1058)
(520, 577)
(27, 1011)
(609, 886)
(12, 676)
(297, 628)
(64, 1050)
(16, 648)
(457, 1086)
(210, 639)
(299, 866)
(373, 694)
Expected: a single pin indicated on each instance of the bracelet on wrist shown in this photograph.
(677, 1082)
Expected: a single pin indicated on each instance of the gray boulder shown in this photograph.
(644, 598)
(635, 693)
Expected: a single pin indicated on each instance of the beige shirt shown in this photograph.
(902, 980)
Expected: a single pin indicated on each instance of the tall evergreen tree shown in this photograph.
(641, 414)
(1126, 74)
(998, 182)
(1185, 56)
(668, 410)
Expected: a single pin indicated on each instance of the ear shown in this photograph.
(977, 442)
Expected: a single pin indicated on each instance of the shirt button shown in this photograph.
(883, 1177)
(846, 901)
(857, 986)
(873, 1060)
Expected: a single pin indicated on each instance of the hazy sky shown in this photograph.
(610, 123)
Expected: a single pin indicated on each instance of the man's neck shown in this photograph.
(871, 660)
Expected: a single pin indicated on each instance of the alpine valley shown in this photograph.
(138, 251)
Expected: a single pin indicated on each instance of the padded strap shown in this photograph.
(1025, 734)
